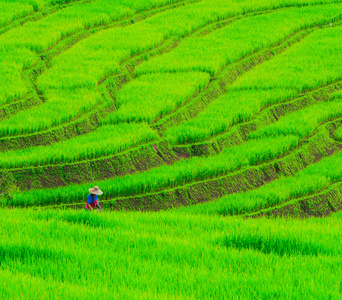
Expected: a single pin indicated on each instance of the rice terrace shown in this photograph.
(213, 128)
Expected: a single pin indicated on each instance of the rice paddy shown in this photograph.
(213, 127)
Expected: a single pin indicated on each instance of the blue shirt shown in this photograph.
(91, 199)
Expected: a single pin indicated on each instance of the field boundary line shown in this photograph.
(228, 75)
(49, 54)
(272, 115)
(140, 158)
(247, 178)
(199, 191)
(137, 159)
(238, 133)
(320, 203)
(37, 138)
(68, 41)
(126, 74)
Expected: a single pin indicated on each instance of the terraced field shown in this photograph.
(168, 104)
(207, 108)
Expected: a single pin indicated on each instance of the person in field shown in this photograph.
(94, 193)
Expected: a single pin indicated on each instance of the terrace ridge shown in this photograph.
(321, 203)
(31, 75)
(228, 75)
(311, 151)
(238, 133)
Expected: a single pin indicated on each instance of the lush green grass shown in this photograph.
(322, 45)
(303, 122)
(338, 134)
(265, 144)
(200, 252)
(55, 254)
(312, 63)
(13, 10)
(70, 86)
(107, 140)
(18, 53)
(234, 107)
(154, 95)
(211, 52)
(136, 102)
(310, 180)
(182, 172)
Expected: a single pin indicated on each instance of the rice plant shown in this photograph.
(312, 63)
(234, 107)
(211, 52)
(303, 122)
(152, 96)
(167, 255)
(310, 180)
(199, 252)
(182, 172)
(19, 53)
(107, 140)
(84, 65)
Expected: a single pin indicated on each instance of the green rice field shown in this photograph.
(213, 127)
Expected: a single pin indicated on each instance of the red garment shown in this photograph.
(93, 205)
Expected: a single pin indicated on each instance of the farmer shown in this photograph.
(92, 198)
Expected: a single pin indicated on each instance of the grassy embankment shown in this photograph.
(258, 149)
(199, 252)
(283, 78)
(178, 89)
(67, 81)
